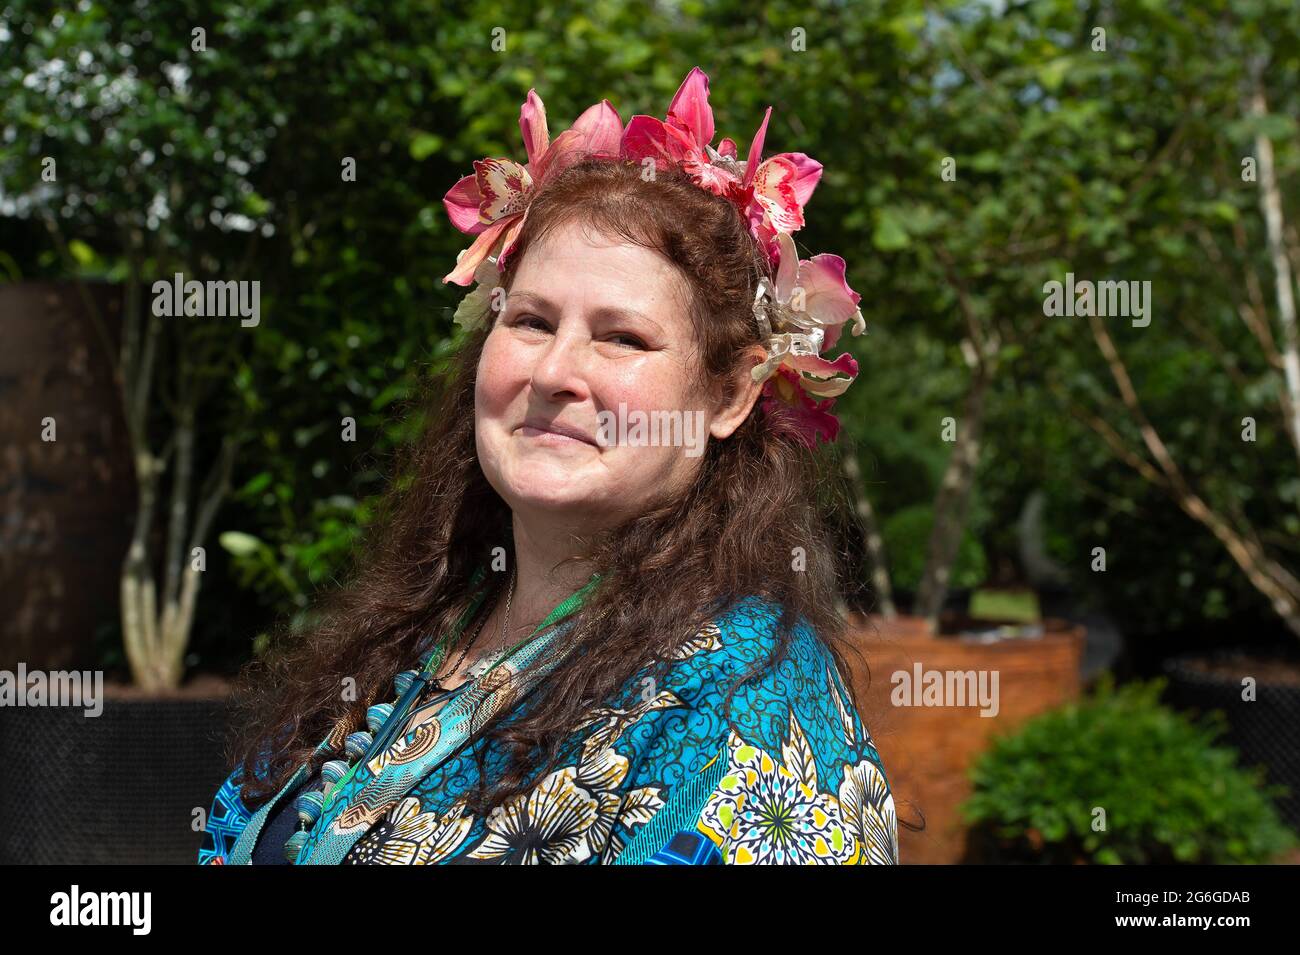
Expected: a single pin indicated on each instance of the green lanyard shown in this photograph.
(395, 720)
(567, 606)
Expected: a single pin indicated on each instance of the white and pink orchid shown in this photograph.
(777, 190)
(801, 313)
(492, 204)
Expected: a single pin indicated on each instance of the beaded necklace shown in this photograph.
(382, 719)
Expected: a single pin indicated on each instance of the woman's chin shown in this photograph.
(555, 499)
(542, 484)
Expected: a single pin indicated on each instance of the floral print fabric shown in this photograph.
(657, 775)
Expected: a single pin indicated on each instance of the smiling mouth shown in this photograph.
(552, 434)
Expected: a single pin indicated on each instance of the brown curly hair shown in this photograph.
(665, 573)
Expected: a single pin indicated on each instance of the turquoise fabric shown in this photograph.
(795, 778)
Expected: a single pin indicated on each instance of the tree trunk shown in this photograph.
(1270, 200)
(875, 543)
(952, 503)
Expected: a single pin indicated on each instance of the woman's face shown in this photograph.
(594, 331)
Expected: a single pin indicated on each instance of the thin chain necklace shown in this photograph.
(488, 659)
(436, 683)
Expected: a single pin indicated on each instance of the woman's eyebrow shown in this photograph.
(531, 299)
(544, 304)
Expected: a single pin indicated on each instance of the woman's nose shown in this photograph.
(560, 369)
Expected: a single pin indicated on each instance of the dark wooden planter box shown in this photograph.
(116, 789)
(1265, 731)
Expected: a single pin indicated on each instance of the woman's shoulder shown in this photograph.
(743, 647)
(740, 680)
(746, 636)
(745, 723)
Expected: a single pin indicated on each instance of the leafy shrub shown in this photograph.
(1169, 794)
(907, 539)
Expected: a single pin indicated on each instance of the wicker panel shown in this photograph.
(119, 788)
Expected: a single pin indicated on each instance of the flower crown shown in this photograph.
(800, 306)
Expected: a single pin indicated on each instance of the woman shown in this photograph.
(596, 622)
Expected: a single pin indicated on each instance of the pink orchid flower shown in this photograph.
(805, 419)
(804, 310)
(684, 139)
(771, 194)
(777, 189)
(492, 204)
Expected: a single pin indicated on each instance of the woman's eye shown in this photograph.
(536, 323)
(630, 340)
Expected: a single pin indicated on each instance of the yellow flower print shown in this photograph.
(770, 812)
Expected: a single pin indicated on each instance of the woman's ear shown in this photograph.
(730, 414)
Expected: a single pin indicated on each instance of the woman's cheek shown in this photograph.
(643, 386)
(499, 375)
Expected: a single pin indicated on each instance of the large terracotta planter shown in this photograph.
(927, 750)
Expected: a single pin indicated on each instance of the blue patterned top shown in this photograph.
(655, 775)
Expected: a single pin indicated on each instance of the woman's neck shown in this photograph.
(547, 574)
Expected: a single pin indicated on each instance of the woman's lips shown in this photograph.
(554, 434)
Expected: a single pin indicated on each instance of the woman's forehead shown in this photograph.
(574, 264)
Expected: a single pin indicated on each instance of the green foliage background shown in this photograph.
(1117, 163)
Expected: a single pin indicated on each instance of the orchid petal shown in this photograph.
(810, 424)
(821, 376)
(511, 238)
(716, 179)
(756, 148)
(774, 192)
(565, 150)
(788, 269)
(808, 172)
(532, 123)
(646, 136)
(727, 148)
(690, 110)
(827, 297)
(800, 416)
(601, 129)
(828, 388)
(764, 234)
(469, 260)
(504, 185)
(462, 203)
